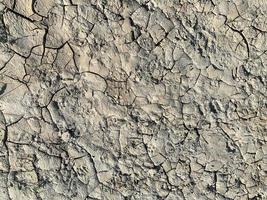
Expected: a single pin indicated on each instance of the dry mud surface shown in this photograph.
(133, 99)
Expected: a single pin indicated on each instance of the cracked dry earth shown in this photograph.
(133, 99)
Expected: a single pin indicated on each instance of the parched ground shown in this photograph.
(133, 100)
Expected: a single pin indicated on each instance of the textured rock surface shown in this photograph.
(133, 99)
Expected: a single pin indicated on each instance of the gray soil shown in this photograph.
(133, 100)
